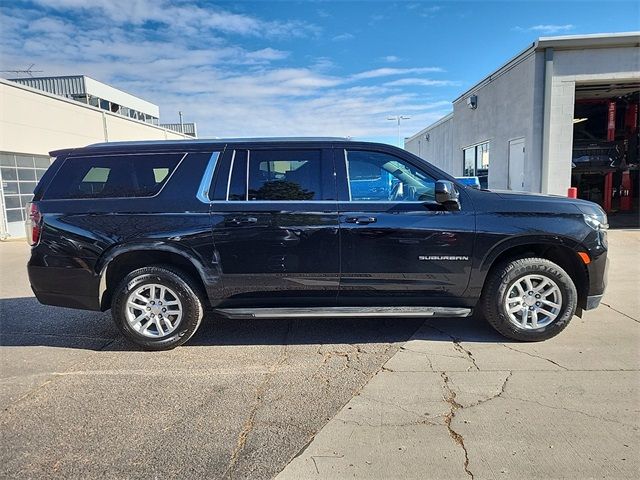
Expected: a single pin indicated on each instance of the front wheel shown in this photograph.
(157, 307)
(529, 299)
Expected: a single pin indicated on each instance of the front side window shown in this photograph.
(285, 175)
(112, 176)
(375, 176)
(476, 163)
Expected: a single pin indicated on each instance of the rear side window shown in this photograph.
(112, 176)
(285, 175)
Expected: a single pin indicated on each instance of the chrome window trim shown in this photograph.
(415, 202)
(246, 193)
(207, 177)
(233, 161)
(252, 202)
(346, 166)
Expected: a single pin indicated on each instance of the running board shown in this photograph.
(341, 312)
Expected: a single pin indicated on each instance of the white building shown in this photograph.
(61, 114)
(563, 112)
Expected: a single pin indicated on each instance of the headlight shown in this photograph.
(593, 215)
(597, 222)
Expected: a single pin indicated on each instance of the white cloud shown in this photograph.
(391, 59)
(429, 12)
(201, 67)
(178, 15)
(343, 36)
(387, 72)
(267, 54)
(421, 82)
(547, 29)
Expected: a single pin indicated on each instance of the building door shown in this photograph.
(516, 164)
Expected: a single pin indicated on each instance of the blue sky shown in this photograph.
(292, 67)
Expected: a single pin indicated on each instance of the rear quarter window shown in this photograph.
(112, 176)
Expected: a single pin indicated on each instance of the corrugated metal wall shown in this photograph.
(64, 86)
(188, 128)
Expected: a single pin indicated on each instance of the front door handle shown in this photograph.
(361, 220)
(241, 221)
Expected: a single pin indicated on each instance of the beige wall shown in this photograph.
(438, 148)
(36, 122)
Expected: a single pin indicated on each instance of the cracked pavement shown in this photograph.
(459, 401)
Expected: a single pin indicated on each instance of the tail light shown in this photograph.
(33, 223)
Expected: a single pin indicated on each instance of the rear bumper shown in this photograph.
(68, 301)
(64, 287)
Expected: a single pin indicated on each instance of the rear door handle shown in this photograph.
(361, 220)
(241, 221)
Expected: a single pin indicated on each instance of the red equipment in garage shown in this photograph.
(626, 192)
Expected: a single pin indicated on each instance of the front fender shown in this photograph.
(488, 250)
(511, 242)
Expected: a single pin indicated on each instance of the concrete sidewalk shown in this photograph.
(458, 401)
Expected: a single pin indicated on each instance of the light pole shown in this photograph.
(398, 119)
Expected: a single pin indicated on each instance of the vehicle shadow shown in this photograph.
(25, 322)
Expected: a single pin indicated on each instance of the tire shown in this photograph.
(505, 290)
(169, 328)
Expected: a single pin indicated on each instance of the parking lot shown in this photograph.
(385, 398)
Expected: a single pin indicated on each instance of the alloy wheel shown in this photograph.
(154, 310)
(533, 302)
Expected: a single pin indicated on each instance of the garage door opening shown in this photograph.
(605, 162)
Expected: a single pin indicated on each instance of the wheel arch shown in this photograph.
(559, 250)
(121, 260)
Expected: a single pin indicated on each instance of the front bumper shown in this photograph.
(593, 301)
(598, 269)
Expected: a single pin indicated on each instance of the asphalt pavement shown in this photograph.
(239, 400)
(379, 398)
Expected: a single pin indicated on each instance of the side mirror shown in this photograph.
(447, 195)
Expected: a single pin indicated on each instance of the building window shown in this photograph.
(19, 175)
(476, 163)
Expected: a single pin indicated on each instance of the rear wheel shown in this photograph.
(157, 307)
(529, 299)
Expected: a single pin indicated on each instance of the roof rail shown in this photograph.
(224, 140)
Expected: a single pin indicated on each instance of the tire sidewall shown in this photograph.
(191, 314)
(518, 269)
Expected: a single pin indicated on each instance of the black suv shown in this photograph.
(162, 231)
